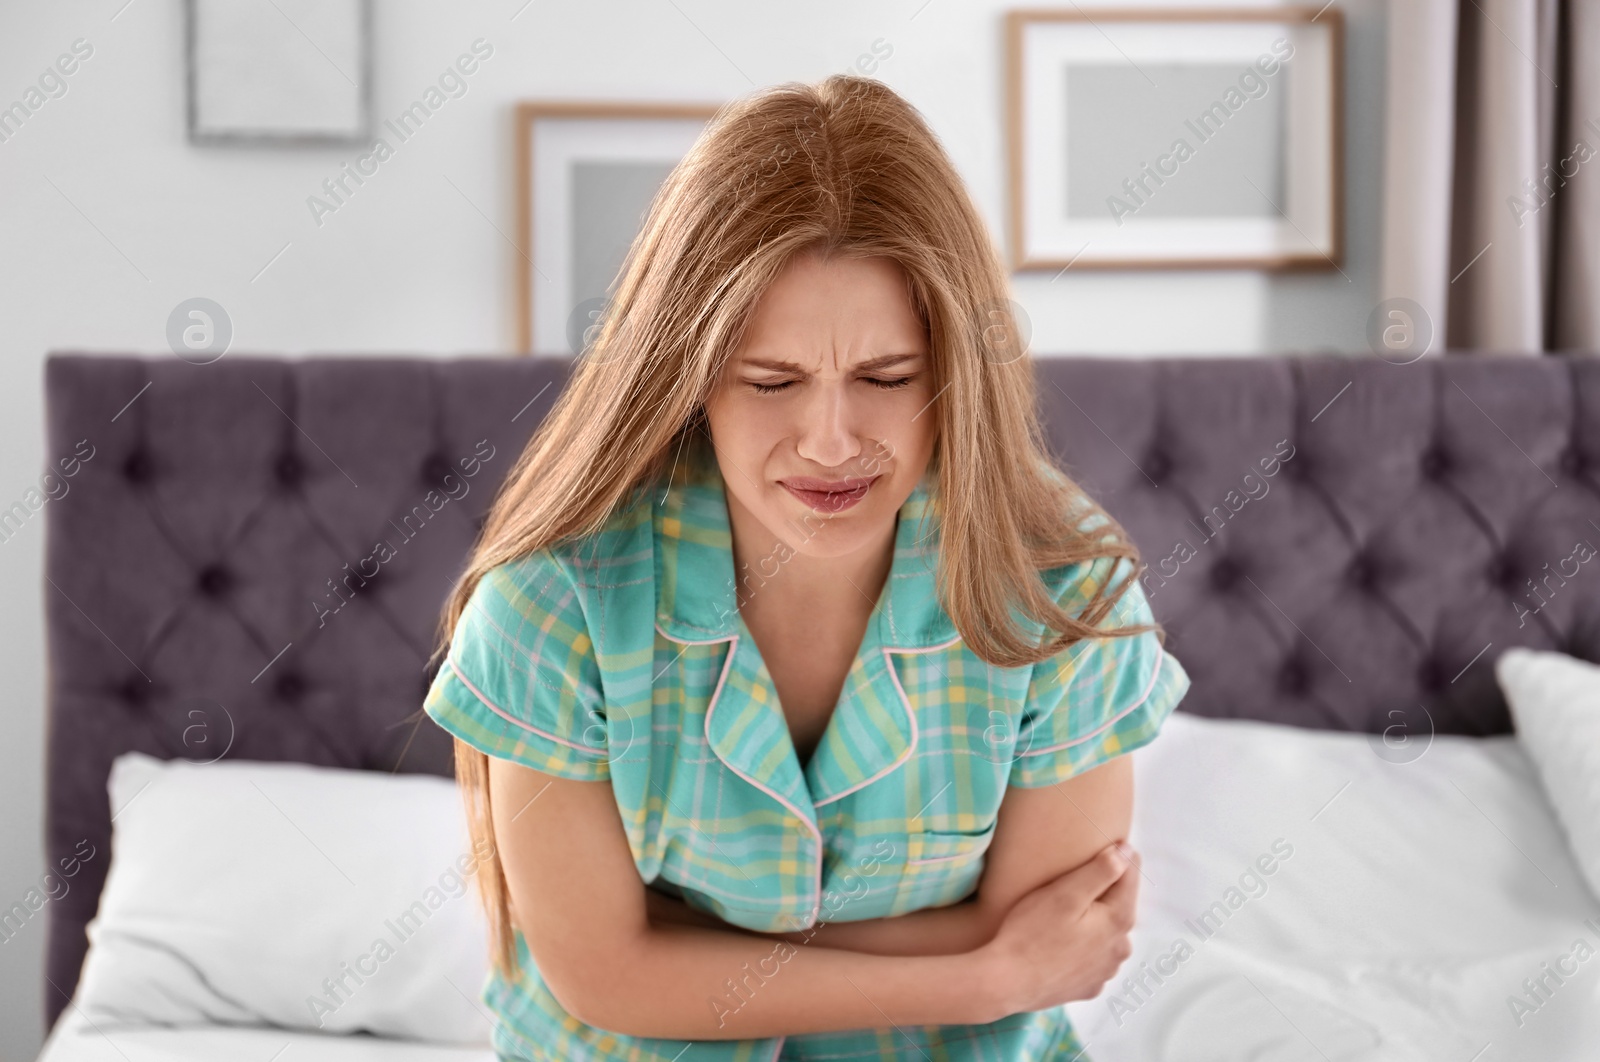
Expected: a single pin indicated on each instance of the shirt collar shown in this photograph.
(695, 590)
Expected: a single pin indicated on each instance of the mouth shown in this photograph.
(829, 496)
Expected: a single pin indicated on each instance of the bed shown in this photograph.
(1339, 549)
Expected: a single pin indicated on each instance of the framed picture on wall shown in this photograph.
(286, 72)
(586, 176)
(1174, 138)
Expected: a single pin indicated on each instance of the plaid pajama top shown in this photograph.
(622, 657)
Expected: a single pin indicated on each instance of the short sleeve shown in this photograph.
(520, 680)
(1100, 697)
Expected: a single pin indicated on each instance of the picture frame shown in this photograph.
(586, 174)
(292, 72)
(1098, 103)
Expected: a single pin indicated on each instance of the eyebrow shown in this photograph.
(881, 362)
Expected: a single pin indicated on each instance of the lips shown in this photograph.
(829, 495)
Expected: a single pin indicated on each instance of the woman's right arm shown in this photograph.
(577, 897)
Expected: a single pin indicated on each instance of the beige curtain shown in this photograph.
(1492, 172)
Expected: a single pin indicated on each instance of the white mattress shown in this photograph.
(1416, 900)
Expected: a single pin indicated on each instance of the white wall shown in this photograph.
(108, 219)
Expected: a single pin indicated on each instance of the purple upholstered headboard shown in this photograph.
(1329, 540)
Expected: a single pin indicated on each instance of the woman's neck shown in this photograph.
(773, 578)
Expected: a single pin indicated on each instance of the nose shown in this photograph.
(826, 433)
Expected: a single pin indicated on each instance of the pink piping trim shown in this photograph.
(1161, 655)
(716, 697)
(932, 648)
(929, 649)
(487, 703)
(905, 702)
(686, 641)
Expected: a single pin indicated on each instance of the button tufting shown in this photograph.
(1573, 463)
(289, 469)
(1225, 573)
(434, 469)
(135, 691)
(138, 467)
(1435, 463)
(1299, 467)
(1502, 572)
(214, 580)
(290, 686)
(1158, 466)
(1294, 677)
(1431, 677)
(1363, 572)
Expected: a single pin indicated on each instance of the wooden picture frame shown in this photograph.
(573, 233)
(1288, 216)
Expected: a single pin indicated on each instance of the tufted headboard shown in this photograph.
(1330, 541)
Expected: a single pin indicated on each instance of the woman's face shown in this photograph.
(823, 419)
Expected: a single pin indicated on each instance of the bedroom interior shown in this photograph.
(273, 368)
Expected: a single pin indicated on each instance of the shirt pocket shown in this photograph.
(941, 867)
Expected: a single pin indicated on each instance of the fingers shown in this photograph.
(1089, 881)
(1122, 897)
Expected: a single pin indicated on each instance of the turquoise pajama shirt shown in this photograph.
(622, 657)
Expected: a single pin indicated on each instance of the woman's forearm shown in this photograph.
(696, 983)
(952, 930)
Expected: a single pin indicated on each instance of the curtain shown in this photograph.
(1492, 172)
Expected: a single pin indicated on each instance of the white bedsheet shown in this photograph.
(1415, 902)
(75, 1040)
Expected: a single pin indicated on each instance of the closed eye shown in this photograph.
(885, 384)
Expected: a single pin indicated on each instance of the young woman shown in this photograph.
(784, 678)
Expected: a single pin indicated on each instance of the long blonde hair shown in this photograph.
(843, 167)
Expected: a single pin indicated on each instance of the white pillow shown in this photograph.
(1555, 703)
(288, 895)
